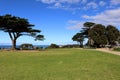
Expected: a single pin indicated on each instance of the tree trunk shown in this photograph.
(14, 44)
(89, 41)
(13, 37)
(81, 44)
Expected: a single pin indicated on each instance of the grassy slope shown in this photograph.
(61, 64)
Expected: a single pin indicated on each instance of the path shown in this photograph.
(108, 51)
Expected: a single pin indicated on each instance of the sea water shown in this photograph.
(17, 46)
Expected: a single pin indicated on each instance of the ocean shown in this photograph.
(10, 46)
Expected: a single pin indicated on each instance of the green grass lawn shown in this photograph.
(59, 64)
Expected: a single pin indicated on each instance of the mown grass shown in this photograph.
(59, 64)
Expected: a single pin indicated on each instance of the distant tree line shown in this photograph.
(98, 35)
(16, 27)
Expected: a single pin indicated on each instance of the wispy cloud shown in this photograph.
(92, 5)
(102, 3)
(84, 1)
(107, 17)
(110, 14)
(48, 1)
(74, 24)
(115, 2)
(60, 1)
(73, 4)
(58, 4)
(80, 4)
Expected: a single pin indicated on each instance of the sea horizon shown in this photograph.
(17, 46)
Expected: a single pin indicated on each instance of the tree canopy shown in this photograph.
(16, 27)
(112, 34)
(79, 38)
(98, 35)
(87, 27)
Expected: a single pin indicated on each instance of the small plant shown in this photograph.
(116, 49)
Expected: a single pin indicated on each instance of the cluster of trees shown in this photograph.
(98, 35)
(16, 27)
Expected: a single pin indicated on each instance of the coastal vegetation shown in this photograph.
(98, 35)
(26, 47)
(95, 54)
(16, 27)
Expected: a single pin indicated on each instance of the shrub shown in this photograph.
(26, 46)
(38, 48)
(116, 49)
(71, 46)
(53, 46)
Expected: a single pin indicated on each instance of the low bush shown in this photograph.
(71, 46)
(26, 46)
(53, 46)
(38, 48)
(116, 49)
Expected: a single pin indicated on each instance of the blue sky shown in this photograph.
(59, 20)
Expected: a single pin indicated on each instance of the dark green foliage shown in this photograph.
(97, 33)
(85, 31)
(87, 27)
(16, 27)
(9, 23)
(71, 46)
(39, 48)
(117, 49)
(118, 38)
(88, 24)
(53, 46)
(79, 38)
(112, 34)
(26, 46)
(39, 37)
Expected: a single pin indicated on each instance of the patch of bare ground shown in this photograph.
(108, 50)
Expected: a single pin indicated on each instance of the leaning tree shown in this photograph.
(16, 27)
(79, 37)
(87, 27)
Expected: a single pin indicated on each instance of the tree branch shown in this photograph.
(10, 35)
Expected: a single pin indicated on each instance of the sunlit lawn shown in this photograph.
(59, 64)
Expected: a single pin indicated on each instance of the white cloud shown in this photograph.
(73, 21)
(84, 1)
(69, 1)
(60, 1)
(107, 17)
(115, 2)
(48, 1)
(73, 24)
(86, 17)
(62, 4)
(102, 3)
(58, 5)
(77, 5)
(92, 5)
